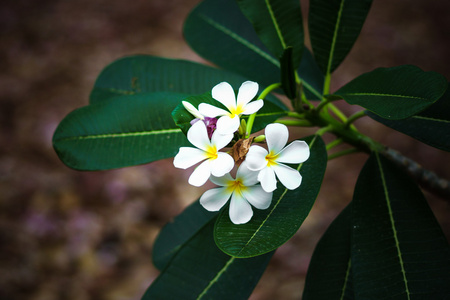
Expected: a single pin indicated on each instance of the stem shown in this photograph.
(425, 178)
(342, 153)
(326, 84)
(355, 117)
(299, 123)
(334, 143)
(264, 93)
(337, 112)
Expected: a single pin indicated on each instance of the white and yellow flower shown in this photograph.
(243, 191)
(229, 120)
(214, 162)
(270, 163)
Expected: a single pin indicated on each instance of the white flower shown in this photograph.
(243, 191)
(270, 163)
(223, 92)
(215, 163)
(192, 110)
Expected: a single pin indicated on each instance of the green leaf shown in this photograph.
(144, 74)
(125, 131)
(271, 111)
(329, 272)
(394, 93)
(270, 228)
(174, 235)
(334, 26)
(431, 126)
(278, 24)
(218, 31)
(288, 74)
(398, 247)
(201, 271)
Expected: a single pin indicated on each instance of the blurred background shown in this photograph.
(75, 235)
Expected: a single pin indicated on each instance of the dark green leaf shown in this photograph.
(431, 126)
(398, 247)
(218, 31)
(175, 234)
(201, 271)
(329, 273)
(271, 111)
(334, 26)
(144, 74)
(288, 74)
(311, 76)
(270, 228)
(394, 93)
(125, 131)
(278, 24)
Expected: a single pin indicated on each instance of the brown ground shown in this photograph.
(88, 235)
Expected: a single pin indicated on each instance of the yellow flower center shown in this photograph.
(237, 111)
(270, 158)
(236, 186)
(211, 152)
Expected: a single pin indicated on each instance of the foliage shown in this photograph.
(385, 244)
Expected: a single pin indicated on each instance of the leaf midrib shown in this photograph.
(275, 24)
(392, 221)
(119, 135)
(275, 206)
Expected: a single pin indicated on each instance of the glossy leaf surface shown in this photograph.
(278, 24)
(288, 74)
(145, 73)
(398, 247)
(329, 272)
(124, 131)
(394, 93)
(431, 126)
(334, 26)
(270, 228)
(218, 31)
(201, 271)
(175, 234)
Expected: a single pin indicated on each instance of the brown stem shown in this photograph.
(425, 178)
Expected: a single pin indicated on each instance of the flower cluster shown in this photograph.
(256, 178)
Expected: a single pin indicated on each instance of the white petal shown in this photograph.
(214, 199)
(289, 177)
(187, 157)
(227, 125)
(294, 153)
(200, 174)
(222, 164)
(256, 158)
(222, 180)
(240, 210)
(192, 110)
(247, 176)
(224, 93)
(198, 135)
(211, 111)
(221, 140)
(267, 178)
(276, 137)
(253, 107)
(247, 92)
(258, 197)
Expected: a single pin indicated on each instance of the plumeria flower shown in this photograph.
(243, 191)
(224, 93)
(270, 163)
(214, 162)
(209, 122)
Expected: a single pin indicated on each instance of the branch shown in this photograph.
(425, 178)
